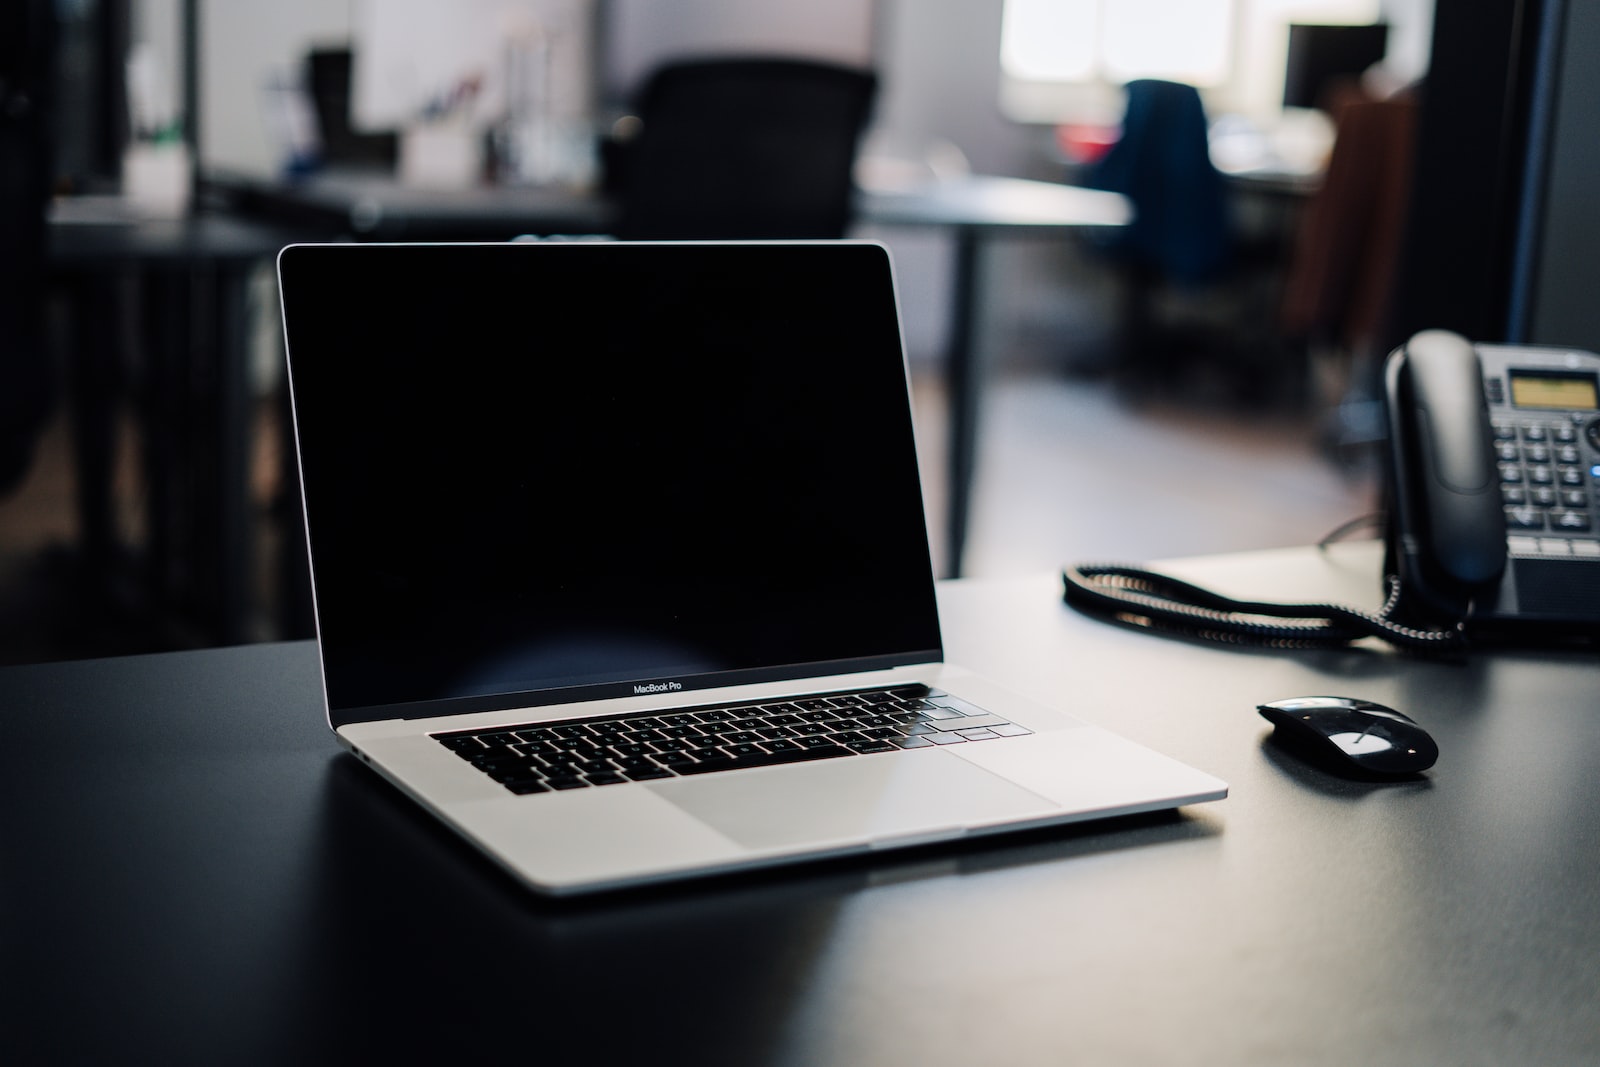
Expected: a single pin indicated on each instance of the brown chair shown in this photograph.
(1340, 285)
(1339, 292)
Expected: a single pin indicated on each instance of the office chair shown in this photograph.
(1162, 163)
(1342, 277)
(27, 56)
(1339, 293)
(1181, 240)
(741, 148)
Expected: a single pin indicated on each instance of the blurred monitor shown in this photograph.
(1320, 55)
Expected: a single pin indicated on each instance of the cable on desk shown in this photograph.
(1138, 597)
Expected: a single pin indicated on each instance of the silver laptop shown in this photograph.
(621, 569)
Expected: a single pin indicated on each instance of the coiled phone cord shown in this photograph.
(1155, 601)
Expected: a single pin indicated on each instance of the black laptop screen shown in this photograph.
(535, 467)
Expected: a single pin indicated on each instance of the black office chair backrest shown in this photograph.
(742, 148)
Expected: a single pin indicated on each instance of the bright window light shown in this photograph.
(1115, 40)
(1050, 40)
(1181, 40)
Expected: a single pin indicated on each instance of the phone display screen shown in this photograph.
(1554, 389)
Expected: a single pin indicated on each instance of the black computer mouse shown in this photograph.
(1355, 737)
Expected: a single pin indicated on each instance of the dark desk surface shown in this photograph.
(194, 874)
(100, 233)
(372, 207)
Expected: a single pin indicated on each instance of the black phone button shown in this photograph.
(1592, 432)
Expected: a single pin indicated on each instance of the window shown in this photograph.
(1065, 60)
(1117, 40)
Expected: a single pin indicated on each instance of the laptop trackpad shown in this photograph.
(849, 799)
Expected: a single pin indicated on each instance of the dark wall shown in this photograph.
(1559, 305)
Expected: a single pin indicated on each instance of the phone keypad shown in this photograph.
(1548, 483)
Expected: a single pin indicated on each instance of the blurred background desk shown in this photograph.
(976, 209)
(187, 850)
(158, 322)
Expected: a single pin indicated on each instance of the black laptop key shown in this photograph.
(539, 757)
(514, 770)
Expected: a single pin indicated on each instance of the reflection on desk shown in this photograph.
(187, 851)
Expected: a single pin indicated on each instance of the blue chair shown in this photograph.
(1181, 229)
(1182, 232)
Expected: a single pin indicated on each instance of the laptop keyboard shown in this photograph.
(645, 746)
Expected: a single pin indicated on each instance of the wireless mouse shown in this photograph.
(1352, 736)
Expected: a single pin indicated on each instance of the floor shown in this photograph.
(1074, 471)
(1071, 469)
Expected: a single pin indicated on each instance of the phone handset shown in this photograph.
(1452, 506)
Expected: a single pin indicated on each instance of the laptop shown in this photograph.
(620, 565)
